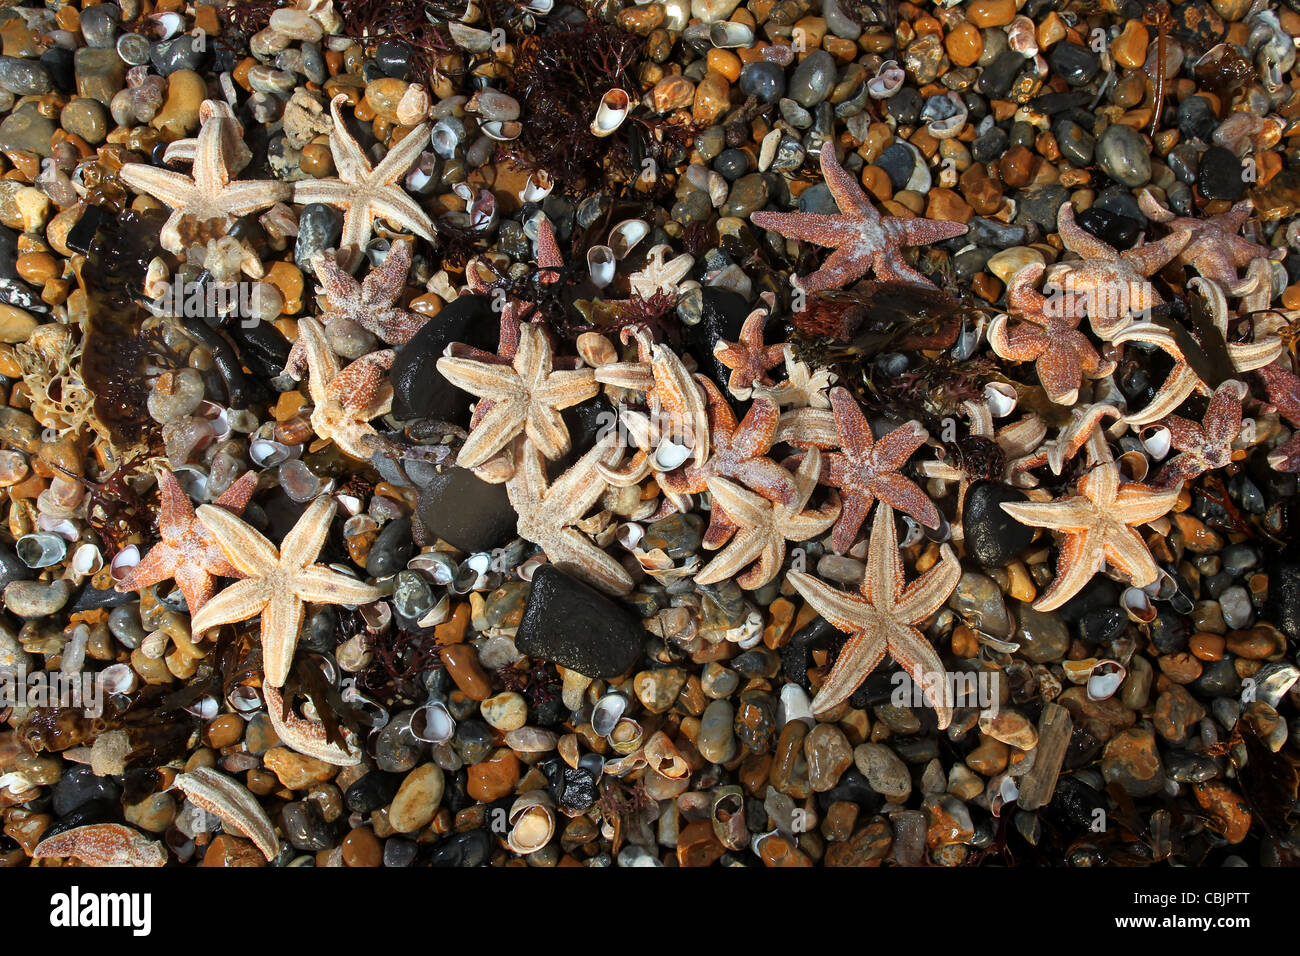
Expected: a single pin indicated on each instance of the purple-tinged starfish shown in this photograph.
(1207, 445)
(1049, 337)
(749, 359)
(1114, 283)
(862, 239)
(1215, 250)
(1284, 395)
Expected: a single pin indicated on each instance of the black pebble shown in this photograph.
(465, 511)
(1111, 228)
(993, 537)
(572, 624)
(419, 390)
(1222, 175)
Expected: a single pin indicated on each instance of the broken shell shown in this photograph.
(606, 714)
(493, 105)
(887, 81)
(447, 135)
(670, 455)
(117, 679)
(596, 350)
(629, 535)
(613, 110)
(664, 758)
(1078, 672)
(528, 568)
(265, 453)
(626, 737)
(1133, 465)
(1157, 440)
(41, 550)
(624, 237)
(438, 565)
(502, 130)
(438, 614)
(87, 560)
(729, 34)
(164, 26)
(947, 127)
(1106, 679)
(245, 699)
(601, 265)
(377, 616)
(433, 724)
(1137, 604)
(532, 822)
(593, 763)
(1001, 398)
(124, 561)
(537, 187)
(727, 814)
(469, 38)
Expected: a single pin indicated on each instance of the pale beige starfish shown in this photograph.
(526, 396)
(660, 276)
(883, 620)
(307, 736)
(345, 401)
(1183, 380)
(278, 582)
(548, 509)
(363, 191)
(209, 194)
(765, 526)
(1099, 525)
(803, 387)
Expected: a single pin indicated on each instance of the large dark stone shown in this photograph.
(465, 511)
(993, 537)
(419, 390)
(1284, 590)
(722, 313)
(576, 626)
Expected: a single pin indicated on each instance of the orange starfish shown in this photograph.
(749, 359)
(188, 553)
(1207, 445)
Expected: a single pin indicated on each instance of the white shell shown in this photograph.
(502, 130)
(613, 110)
(1001, 398)
(1157, 440)
(888, 81)
(87, 560)
(1138, 605)
(532, 822)
(729, 34)
(601, 265)
(1105, 679)
(670, 455)
(623, 238)
(117, 679)
(433, 724)
(537, 188)
(607, 713)
(124, 561)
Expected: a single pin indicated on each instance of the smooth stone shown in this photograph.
(1196, 119)
(574, 625)
(178, 53)
(1075, 64)
(419, 390)
(26, 129)
(1076, 143)
(1124, 155)
(465, 511)
(993, 537)
(1132, 760)
(391, 550)
(1042, 635)
(1221, 175)
(24, 77)
(306, 828)
(722, 314)
(417, 799)
(764, 80)
(1116, 230)
(319, 228)
(471, 849)
(748, 194)
(905, 106)
(716, 741)
(813, 79)
(979, 601)
(1284, 597)
(884, 770)
(100, 23)
(100, 73)
(899, 163)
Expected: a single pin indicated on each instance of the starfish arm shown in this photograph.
(1152, 209)
(173, 189)
(1024, 343)
(239, 494)
(883, 581)
(322, 366)
(851, 426)
(1180, 469)
(159, 564)
(502, 423)
(808, 428)
(579, 487)
(1223, 416)
(903, 494)
(349, 160)
(890, 266)
(852, 515)
(766, 567)
(197, 585)
(498, 382)
(319, 585)
(175, 512)
(745, 546)
(343, 291)
(844, 189)
(719, 530)
(915, 655)
(764, 476)
(632, 376)
(859, 657)
(1067, 514)
(355, 387)
(1076, 562)
(571, 551)
(236, 602)
(921, 232)
(1249, 356)
(894, 449)
(843, 266)
(1138, 504)
(927, 594)
(1184, 435)
(245, 548)
(305, 539)
(1150, 257)
(330, 192)
(383, 286)
(755, 433)
(847, 612)
(1175, 390)
(1021, 437)
(1127, 552)
(545, 429)
(826, 231)
(404, 212)
(1060, 372)
(399, 159)
(564, 389)
(743, 506)
(247, 196)
(1077, 239)
(358, 226)
(281, 623)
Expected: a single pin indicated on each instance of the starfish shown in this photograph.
(739, 452)
(803, 387)
(749, 359)
(1114, 283)
(307, 737)
(1069, 439)
(765, 527)
(209, 195)
(345, 401)
(238, 154)
(883, 620)
(187, 553)
(365, 192)
(1098, 524)
(367, 304)
(1284, 393)
(1207, 445)
(277, 583)
(1183, 380)
(678, 415)
(526, 396)
(548, 509)
(660, 276)
(1049, 337)
(862, 239)
(1215, 249)
(866, 469)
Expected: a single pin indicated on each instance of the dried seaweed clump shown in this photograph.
(51, 362)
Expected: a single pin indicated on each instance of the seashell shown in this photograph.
(1137, 604)
(41, 550)
(1272, 681)
(530, 740)
(607, 713)
(469, 38)
(887, 81)
(438, 565)
(447, 134)
(670, 455)
(117, 679)
(1001, 398)
(948, 126)
(164, 26)
(205, 708)
(537, 187)
(433, 723)
(1157, 440)
(265, 453)
(626, 737)
(87, 560)
(1022, 37)
(124, 561)
(623, 238)
(436, 615)
(794, 705)
(1106, 679)
(1078, 672)
(245, 699)
(593, 763)
(483, 212)
(664, 759)
(64, 528)
(601, 265)
(728, 34)
(613, 110)
(727, 814)
(596, 350)
(502, 130)
(540, 7)
(629, 535)
(493, 105)
(1133, 465)
(532, 822)
(423, 175)
(1002, 790)
(528, 568)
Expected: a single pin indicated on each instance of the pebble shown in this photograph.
(1221, 175)
(417, 799)
(570, 623)
(993, 537)
(884, 770)
(978, 600)
(1042, 635)
(1124, 155)
(812, 79)
(1132, 760)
